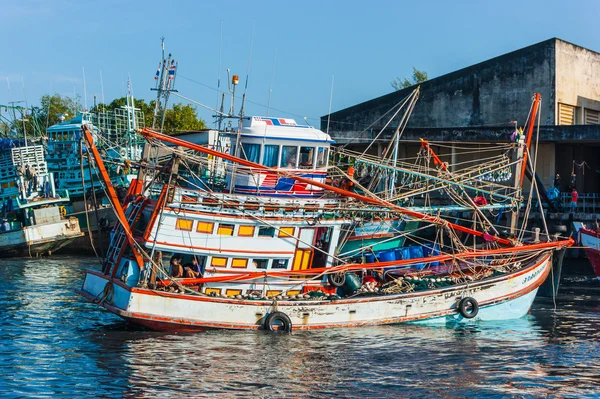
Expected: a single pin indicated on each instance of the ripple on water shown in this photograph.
(56, 345)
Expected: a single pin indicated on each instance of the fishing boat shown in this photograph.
(33, 214)
(590, 240)
(185, 258)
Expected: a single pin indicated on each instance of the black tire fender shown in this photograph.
(278, 321)
(468, 307)
(336, 279)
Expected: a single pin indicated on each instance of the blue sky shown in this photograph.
(46, 43)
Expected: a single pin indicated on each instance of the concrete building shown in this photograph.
(478, 104)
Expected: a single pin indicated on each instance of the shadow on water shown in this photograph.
(58, 345)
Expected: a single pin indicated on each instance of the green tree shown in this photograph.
(182, 118)
(417, 77)
(178, 118)
(53, 106)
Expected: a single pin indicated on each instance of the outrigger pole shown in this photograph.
(149, 133)
(112, 195)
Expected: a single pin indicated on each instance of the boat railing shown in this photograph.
(586, 202)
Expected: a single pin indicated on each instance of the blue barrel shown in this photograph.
(399, 254)
(431, 250)
(416, 251)
(387, 256)
(352, 283)
(370, 257)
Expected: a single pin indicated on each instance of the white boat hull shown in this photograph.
(502, 297)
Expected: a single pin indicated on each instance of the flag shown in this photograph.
(172, 72)
(157, 72)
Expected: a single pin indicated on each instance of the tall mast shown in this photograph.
(522, 153)
(165, 84)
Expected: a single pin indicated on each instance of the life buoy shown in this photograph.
(278, 321)
(468, 307)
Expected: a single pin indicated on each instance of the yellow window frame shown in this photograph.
(205, 227)
(184, 224)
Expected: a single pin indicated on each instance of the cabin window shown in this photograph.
(322, 155)
(266, 231)
(239, 262)
(286, 232)
(218, 262)
(212, 291)
(225, 229)
(271, 155)
(280, 264)
(205, 227)
(260, 263)
(246, 231)
(307, 155)
(272, 293)
(184, 224)
(289, 155)
(251, 152)
(233, 292)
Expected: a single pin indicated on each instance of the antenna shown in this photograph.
(220, 117)
(164, 86)
(271, 86)
(248, 71)
(84, 91)
(102, 90)
(330, 100)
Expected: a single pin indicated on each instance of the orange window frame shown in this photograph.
(184, 224)
(205, 227)
(218, 262)
(239, 262)
(225, 229)
(286, 232)
(246, 231)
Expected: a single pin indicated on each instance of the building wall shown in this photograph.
(577, 78)
(493, 92)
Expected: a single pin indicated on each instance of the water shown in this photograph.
(53, 344)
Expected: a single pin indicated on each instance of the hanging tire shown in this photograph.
(468, 307)
(278, 321)
(337, 279)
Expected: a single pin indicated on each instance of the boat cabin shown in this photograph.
(278, 143)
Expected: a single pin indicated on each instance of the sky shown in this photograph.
(290, 52)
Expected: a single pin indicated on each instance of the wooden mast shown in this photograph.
(112, 195)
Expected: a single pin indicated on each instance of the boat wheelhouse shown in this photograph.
(278, 143)
(33, 216)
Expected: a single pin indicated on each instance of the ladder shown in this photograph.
(118, 243)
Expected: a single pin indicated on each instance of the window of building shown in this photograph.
(260, 263)
(289, 156)
(271, 155)
(266, 231)
(218, 262)
(205, 227)
(286, 232)
(566, 114)
(246, 231)
(307, 155)
(592, 117)
(225, 229)
(251, 152)
(280, 264)
(322, 157)
(184, 224)
(239, 262)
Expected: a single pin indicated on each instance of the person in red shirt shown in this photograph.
(574, 196)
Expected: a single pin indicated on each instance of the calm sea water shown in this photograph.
(53, 344)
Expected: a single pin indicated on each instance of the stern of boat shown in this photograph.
(105, 291)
